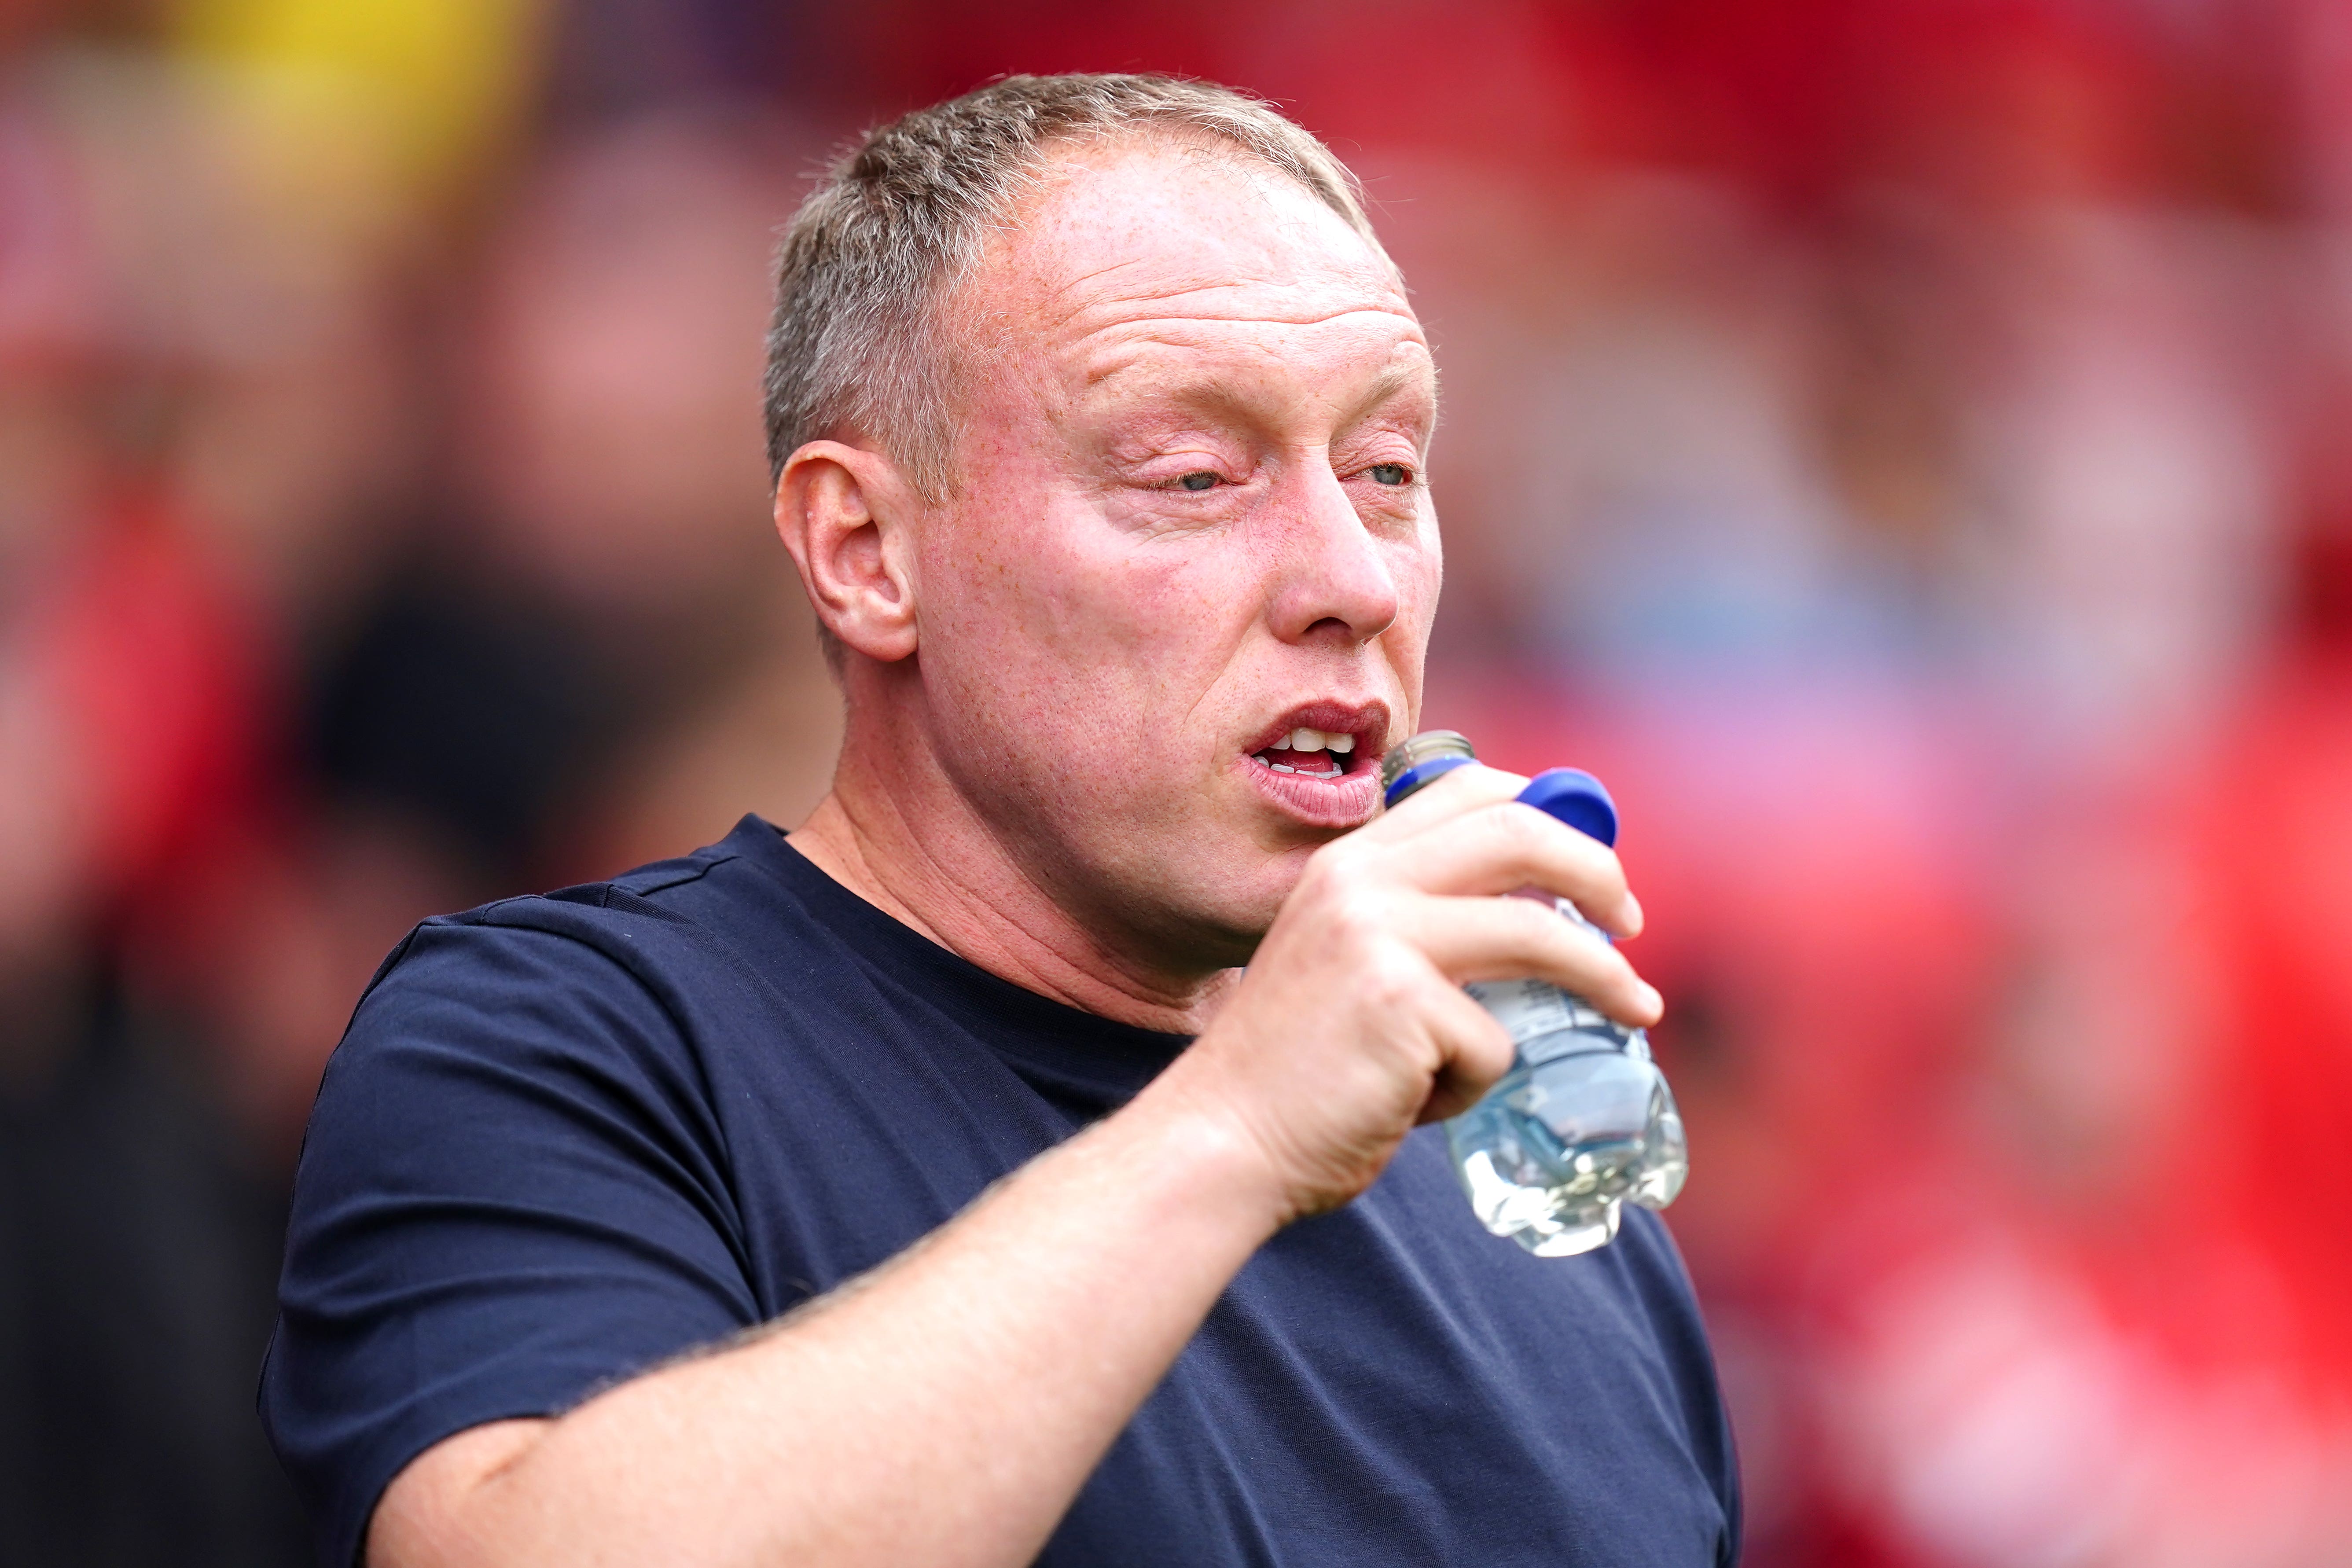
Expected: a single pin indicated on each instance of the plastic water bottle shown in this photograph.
(1583, 1123)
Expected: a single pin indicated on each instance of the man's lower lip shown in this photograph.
(1342, 800)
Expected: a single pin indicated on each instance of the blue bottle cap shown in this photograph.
(1575, 797)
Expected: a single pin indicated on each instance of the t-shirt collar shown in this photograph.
(1062, 1050)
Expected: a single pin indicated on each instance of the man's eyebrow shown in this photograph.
(1398, 378)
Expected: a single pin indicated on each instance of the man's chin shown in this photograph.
(1209, 920)
(1207, 951)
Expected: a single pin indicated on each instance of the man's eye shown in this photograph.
(1201, 480)
(1389, 474)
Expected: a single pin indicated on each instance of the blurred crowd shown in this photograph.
(1903, 446)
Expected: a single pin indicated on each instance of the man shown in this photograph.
(932, 1186)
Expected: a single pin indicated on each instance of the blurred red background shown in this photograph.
(1903, 446)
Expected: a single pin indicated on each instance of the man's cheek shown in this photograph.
(1418, 571)
(1151, 610)
(1014, 589)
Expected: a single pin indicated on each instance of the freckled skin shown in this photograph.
(1098, 644)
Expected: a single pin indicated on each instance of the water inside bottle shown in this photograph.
(1581, 1125)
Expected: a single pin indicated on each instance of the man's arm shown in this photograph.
(945, 1409)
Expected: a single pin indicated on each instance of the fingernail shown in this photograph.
(1632, 915)
(1657, 1004)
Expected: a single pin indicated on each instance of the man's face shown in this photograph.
(1190, 522)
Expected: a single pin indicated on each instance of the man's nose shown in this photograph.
(1334, 580)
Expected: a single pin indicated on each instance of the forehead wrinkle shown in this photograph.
(1129, 342)
(1372, 273)
(1240, 301)
(1260, 358)
(1210, 285)
(1063, 354)
(1309, 252)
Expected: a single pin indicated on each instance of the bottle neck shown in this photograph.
(1413, 763)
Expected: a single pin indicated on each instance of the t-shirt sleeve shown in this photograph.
(512, 1192)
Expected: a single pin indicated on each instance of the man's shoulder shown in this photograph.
(658, 890)
(651, 963)
(640, 923)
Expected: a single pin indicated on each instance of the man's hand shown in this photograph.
(1350, 1027)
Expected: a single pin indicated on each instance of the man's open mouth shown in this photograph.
(1313, 752)
(1320, 764)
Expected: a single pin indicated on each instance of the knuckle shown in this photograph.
(1532, 928)
(1623, 984)
(1336, 852)
(1346, 863)
(1323, 867)
(1330, 890)
(1591, 858)
(1521, 827)
(1356, 919)
(1388, 991)
(1484, 1049)
(1575, 953)
(1390, 977)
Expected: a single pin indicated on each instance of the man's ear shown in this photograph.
(843, 513)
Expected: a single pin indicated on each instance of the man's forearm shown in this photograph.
(943, 1410)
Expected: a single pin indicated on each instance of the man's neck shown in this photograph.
(913, 848)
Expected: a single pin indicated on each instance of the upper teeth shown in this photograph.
(1304, 740)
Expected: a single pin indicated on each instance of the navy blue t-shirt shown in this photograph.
(569, 1137)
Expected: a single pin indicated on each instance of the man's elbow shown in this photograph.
(438, 1511)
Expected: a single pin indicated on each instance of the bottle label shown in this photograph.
(1531, 1010)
